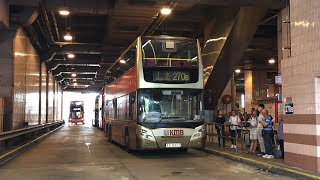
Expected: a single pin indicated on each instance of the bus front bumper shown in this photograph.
(162, 143)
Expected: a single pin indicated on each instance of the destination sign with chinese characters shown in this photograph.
(173, 76)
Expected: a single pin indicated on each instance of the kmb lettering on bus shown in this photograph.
(175, 132)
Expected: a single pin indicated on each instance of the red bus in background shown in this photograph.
(76, 114)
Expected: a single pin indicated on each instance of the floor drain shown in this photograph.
(176, 173)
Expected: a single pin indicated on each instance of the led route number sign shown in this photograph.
(171, 76)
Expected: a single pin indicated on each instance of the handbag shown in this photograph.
(277, 152)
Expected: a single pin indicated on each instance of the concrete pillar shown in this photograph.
(248, 90)
(259, 82)
(301, 86)
(6, 75)
(224, 45)
(4, 14)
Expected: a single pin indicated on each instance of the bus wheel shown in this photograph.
(110, 135)
(127, 142)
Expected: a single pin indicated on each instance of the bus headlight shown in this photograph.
(145, 133)
(197, 133)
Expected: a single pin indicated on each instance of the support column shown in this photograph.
(301, 86)
(248, 90)
(4, 14)
(6, 76)
(224, 44)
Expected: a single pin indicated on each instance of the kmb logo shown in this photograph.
(175, 132)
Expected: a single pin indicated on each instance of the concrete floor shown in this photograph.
(82, 152)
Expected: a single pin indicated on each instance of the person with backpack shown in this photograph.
(267, 134)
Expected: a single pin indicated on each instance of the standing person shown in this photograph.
(267, 133)
(253, 131)
(259, 130)
(241, 117)
(234, 123)
(280, 135)
(220, 120)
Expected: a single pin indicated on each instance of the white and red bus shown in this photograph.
(76, 114)
(154, 95)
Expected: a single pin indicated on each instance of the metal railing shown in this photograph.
(240, 131)
(23, 134)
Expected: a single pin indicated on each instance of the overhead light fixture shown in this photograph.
(74, 80)
(166, 11)
(73, 75)
(242, 101)
(122, 61)
(272, 61)
(237, 71)
(75, 84)
(71, 55)
(64, 12)
(67, 37)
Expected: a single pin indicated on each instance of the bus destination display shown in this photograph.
(176, 76)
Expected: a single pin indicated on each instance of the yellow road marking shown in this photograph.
(267, 164)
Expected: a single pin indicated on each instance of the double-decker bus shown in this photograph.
(76, 114)
(154, 95)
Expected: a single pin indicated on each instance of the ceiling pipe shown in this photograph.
(80, 6)
(75, 49)
(157, 22)
(93, 73)
(55, 24)
(47, 24)
(83, 65)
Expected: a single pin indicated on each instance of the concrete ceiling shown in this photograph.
(102, 30)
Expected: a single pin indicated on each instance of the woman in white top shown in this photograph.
(234, 121)
(253, 132)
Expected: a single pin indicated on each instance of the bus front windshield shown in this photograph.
(170, 105)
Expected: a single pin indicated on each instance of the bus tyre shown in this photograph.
(127, 142)
(110, 135)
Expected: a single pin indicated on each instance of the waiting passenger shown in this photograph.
(220, 120)
(234, 123)
(259, 130)
(267, 134)
(253, 131)
(280, 135)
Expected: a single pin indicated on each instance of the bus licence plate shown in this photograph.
(173, 145)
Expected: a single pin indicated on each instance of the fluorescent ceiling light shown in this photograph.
(166, 11)
(272, 61)
(122, 61)
(67, 37)
(237, 71)
(71, 55)
(75, 84)
(73, 75)
(64, 12)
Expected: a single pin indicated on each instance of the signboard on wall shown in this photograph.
(278, 80)
(289, 108)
